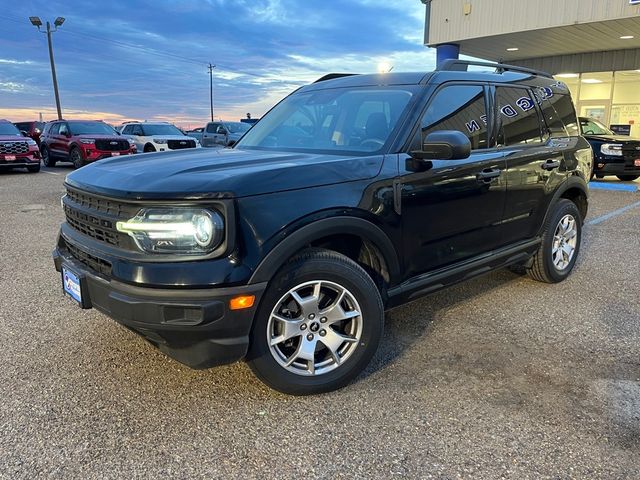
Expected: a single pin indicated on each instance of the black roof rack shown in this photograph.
(331, 76)
(462, 66)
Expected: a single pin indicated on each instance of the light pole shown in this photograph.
(36, 22)
(211, 67)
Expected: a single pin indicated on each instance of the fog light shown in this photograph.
(241, 302)
(600, 165)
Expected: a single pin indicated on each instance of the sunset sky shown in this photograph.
(133, 59)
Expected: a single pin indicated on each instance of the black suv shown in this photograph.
(617, 155)
(353, 195)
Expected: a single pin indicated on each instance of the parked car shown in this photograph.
(350, 197)
(31, 129)
(196, 133)
(617, 155)
(16, 150)
(223, 133)
(81, 142)
(157, 136)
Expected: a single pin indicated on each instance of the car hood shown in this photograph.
(12, 138)
(172, 137)
(223, 173)
(612, 138)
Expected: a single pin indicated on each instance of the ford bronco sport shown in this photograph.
(353, 195)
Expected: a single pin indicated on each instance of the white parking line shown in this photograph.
(50, 173)
(615, 213)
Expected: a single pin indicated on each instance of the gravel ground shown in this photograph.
(500, 377)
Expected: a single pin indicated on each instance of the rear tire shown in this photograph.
(557, 254)
(317, 326)
(46, 157)
(149, 148)
(628, 178)
(75, 157)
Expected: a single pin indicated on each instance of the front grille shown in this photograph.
(12, 148)
(94, 227)
(97, 264)
(112, 145)
(96, 217)
(178, 144)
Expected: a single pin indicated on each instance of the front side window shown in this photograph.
(237, 127)
(212, 127)
(458, 107)
(127, 130)
(90, 128)
(63, 129)
(340, 120)
(518, 116)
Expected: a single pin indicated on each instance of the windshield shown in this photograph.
(591, 126)
(7, 128)
(151, 130)
(340, 120)
(97, 128)
(237, 127)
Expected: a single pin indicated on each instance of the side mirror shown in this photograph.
(444, 145)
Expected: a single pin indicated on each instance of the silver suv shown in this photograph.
(223, 133)
(157, 136)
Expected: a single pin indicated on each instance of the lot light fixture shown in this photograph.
(512, 49)
(626, 37)
(567, 75)
(591, 80)
(36, 22)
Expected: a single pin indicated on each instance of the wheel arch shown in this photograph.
(575, 188)
(378, 246)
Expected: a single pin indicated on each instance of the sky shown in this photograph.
(121, 60)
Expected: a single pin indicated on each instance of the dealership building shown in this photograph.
(591, 45)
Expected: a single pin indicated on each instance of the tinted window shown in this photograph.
(330, 121)
(552, 118)
(564, 107)
(39, 126)
(127, 130)
(23, 126)
(212, 127)
(96, 128)
(160, 129)
(54, 128)
(518, 116)
(458, 107)
(237, 127)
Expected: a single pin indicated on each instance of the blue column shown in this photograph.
(447, 51)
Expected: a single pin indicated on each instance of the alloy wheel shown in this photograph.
(314, 328)
(565, 239)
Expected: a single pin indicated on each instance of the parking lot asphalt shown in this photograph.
(499, 377)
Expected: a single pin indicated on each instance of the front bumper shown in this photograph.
(21, 160)
(608, 165)
(194, 326)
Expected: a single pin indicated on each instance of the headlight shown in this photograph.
(188, 231)
(87, 141)
(131, 143)
(160, 140)
(31, 142)
(611, 149)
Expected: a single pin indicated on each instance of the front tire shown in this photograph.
(318, 324)
(46, 157)
(628, 178)
(148, 148)
(75, 157)
(557, 254)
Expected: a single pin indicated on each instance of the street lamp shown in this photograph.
(36, 22)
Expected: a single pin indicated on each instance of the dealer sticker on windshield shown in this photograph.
(71, 285)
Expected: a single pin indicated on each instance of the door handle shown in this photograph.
(551, 164)
(488, 174)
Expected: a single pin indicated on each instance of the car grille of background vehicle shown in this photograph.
(112, 145)
(178, 144)
(13, 147)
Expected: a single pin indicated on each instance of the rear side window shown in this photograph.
(458, 107)
(564, 108)
(520, 122)
(552, 118)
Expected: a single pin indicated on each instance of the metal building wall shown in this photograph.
(615, 60)
(448, 23)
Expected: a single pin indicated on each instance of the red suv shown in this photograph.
(16, 150)
(81, 142)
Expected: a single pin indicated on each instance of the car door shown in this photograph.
(63, 140)
(53, 141)
(451, 209)
(222, 133)
(209, 134)
(535, 163)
